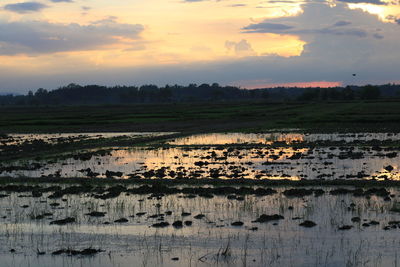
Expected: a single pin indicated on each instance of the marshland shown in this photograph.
(288, 197)
(199, 133)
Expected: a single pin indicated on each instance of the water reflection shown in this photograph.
(275, 243)
(269, 138)
(226, 163)
(15, 139)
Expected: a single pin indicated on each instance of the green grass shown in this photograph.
(245, 117)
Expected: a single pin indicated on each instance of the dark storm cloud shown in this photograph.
(40, 37)
(25, 7)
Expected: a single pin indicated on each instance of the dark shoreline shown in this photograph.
(199, 182)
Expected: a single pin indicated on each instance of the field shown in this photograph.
(194, 118)
(233, 184)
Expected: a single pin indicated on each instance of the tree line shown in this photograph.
(74, 94)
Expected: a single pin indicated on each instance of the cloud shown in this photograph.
(194, 1)
(374, 2)
(241, 48)
(282, 1)
(341, 23)
(237, 5)
(304, 25)
(286, 29)
(25, 7)
(327, 56)
(378, 36)
(59, 1)
(393, 18)
(331, 56)
(41, 37)
(267, 27)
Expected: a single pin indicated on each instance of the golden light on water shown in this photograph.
(384, 174)
(188, 160)
(237, 138)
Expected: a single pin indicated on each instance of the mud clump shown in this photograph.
(267, 218)
(111, 174)
(64, 221)
(238, 223)
(160, 225)
(122, 220)
(345, 227)
(264, 192)
(389, 168)
(73, 252)
(199, 216)
(96, 214)
(298, 192)
(177, 224)
(308, 224)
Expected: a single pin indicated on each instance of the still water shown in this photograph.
(233, 156)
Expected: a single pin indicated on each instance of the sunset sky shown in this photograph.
(253, 43)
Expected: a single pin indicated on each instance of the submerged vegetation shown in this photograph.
(181, 225)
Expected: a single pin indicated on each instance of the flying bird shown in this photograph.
(354, 74)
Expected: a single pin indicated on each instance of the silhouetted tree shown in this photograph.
(370, 92)
(74, 94)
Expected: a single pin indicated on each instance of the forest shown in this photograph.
(74, 94)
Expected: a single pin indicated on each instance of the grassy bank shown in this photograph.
(193, 118)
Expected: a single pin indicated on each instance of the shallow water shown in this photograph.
(270, 138)
(211, 240)
(15, 139)
(276, 243)
(234, 156)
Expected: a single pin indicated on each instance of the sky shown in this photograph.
(253, 43)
